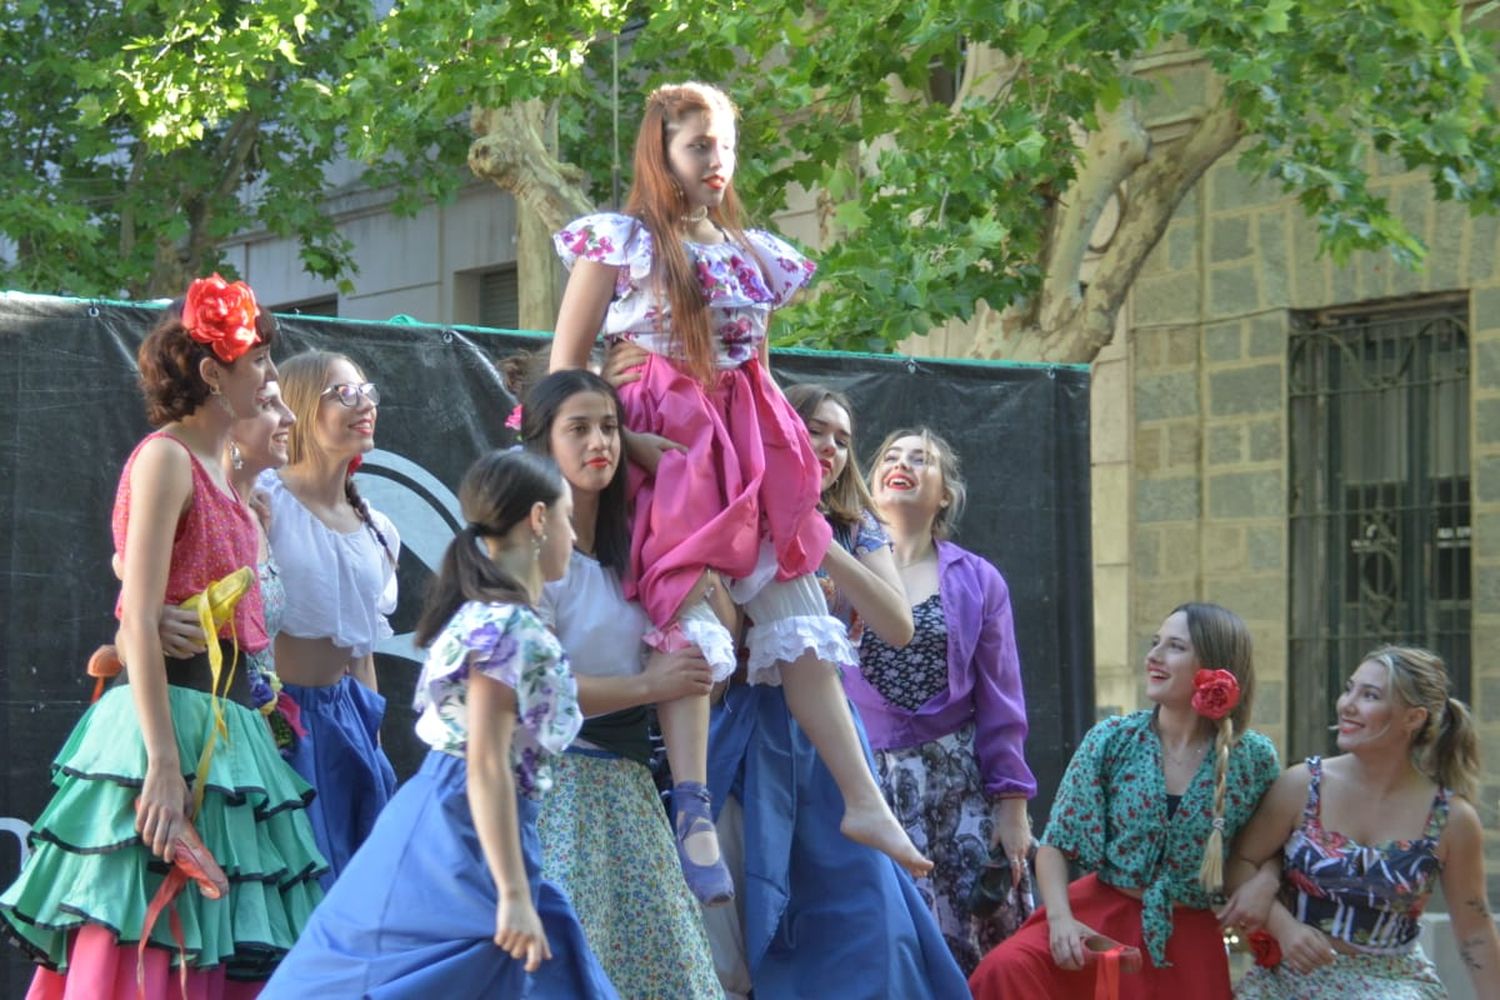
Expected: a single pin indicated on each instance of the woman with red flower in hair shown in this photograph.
(172, 773)
(1365, 838)
(1147, 808)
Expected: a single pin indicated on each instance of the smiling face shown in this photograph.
(700, 151)
(584, 440)
(829, 430)
(908, 474)
(242, 382)
(1171, 663)
(1371, 714)
(262, 438)
(344, 431)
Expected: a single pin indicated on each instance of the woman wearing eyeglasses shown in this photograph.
(338, 563)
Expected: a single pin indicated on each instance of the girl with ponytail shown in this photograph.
(1146, 807)
(338, 559)
(445, 898)
(1366, 836)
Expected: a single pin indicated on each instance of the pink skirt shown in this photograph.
(749, 474)
(101, 968)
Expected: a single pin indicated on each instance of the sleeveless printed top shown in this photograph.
(1370, 897)
(215, 536)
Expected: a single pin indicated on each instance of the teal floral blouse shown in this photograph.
(1110, 815)
(508, 643)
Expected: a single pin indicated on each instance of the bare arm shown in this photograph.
(1065, 935)
(1253, 872)
(581, 314)
(492, 801)
(871, 585)
(161, 485)
(1468, 909)
(363, 670)
(667, 677)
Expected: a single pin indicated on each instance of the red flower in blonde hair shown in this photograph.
(1215, 693)
(221, 316)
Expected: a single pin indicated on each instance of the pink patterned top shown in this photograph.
(742, 286)
(214, 538)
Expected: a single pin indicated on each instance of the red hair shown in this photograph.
(658, 201)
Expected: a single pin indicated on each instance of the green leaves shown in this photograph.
(937, 139)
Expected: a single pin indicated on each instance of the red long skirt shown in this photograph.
(1022, 966)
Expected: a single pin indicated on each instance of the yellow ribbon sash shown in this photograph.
(215, 606)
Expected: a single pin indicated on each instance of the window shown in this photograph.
(1379, 420)
(328, 306)
(499, 299)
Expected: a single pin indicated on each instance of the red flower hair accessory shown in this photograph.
(1266, 949)
(1215, 693)
(221, 316)
(354, 464)
(513, 421)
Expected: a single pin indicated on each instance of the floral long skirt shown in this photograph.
(606, 841)
(1411, 976)
(937, 794)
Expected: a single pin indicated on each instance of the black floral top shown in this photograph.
(912, 676)
(1110, 815)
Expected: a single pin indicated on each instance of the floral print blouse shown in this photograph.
(742, 285)
(1110, 815)
(508, 643)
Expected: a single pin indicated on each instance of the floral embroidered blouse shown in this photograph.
(741, 285)
(508, 643)
(1110, 815)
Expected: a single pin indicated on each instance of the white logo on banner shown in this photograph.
(22, 830)
(425, 518)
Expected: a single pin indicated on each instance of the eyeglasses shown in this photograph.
(348, 393)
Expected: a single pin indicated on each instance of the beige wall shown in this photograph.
(1206, 393)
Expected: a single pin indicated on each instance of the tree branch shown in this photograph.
(1155, 191)
(1112, 153)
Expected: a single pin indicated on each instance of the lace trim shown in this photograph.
(787, 639)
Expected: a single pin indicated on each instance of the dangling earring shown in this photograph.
(235, 459)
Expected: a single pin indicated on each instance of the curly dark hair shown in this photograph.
(169, 361)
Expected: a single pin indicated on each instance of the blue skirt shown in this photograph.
(414, 914)
(823, 916)
(341, 758)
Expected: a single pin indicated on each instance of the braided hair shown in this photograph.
(1221, 641)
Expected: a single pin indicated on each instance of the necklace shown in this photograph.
(1188, 759)
(696, 215)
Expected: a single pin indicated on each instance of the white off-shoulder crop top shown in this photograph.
(339, 586)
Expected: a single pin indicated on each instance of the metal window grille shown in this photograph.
(499, 299)
(1379, 427)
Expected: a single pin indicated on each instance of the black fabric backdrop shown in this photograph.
(70, 413)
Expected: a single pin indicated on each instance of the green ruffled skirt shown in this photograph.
(88, 865)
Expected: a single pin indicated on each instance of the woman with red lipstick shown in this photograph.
(1146, 808)
(946, 713)
(678, 276)
(124, 812)
(604, 837)
(338, 563)
(1365, 838)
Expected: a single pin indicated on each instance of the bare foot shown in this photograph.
(876, 827)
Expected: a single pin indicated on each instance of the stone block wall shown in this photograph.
(1208, 337)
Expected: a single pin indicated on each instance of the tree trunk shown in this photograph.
(516, 149)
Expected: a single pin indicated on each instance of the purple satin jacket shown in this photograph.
(984, 679)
